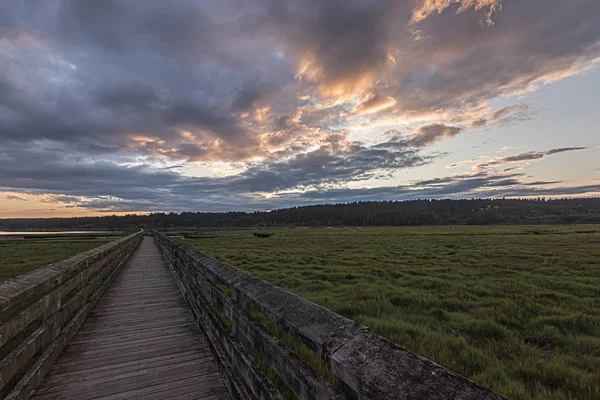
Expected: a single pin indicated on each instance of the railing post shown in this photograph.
(50, 308)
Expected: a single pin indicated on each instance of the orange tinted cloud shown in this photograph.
(15, 197)
(375, 103)
(429, 7)
(429, 134)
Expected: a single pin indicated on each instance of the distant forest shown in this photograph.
(371, 213)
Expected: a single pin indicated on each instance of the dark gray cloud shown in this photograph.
(429, 134)
(185, 30)
(251, 95)
(529, 43)
(95, 96)
(328, 164)
(198, 65)
(119, 70)
(564, 149)
(339, 42)
(529, 156)
(465, 186)
(317, 176)
(324, 166)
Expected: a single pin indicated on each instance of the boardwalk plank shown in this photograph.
(120, 368)
(108, 385)
(140, 342)
(169, 390)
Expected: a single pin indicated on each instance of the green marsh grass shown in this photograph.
(514, 308)
(18, 256)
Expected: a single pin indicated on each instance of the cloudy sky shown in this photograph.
(151, 105)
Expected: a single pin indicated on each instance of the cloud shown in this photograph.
(162, 68)
(429, 134)
(479, 185)
(483, 163)
(529, 45)
(335, 161)
(98, 98)
(15, 197)
(185, 31)
(339, 44)
(461, 163)
(428, 7)
(317, 176)
(57, 199)
(529, 156)
(375, 103)
(426, 135)
(503, 116)
(563, 149)
(330, 164)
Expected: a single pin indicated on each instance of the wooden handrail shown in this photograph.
(41, 311)
(365, 365)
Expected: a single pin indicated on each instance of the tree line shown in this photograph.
(367, 213)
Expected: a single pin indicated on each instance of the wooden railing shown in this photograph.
(42, 310)
(269, 343)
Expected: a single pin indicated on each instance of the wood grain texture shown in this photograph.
(139, 342)
(242, 375)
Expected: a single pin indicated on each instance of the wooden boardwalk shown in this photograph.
(140, 342)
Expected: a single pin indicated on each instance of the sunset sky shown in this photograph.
(144, 105)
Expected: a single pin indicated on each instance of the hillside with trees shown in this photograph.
(380, 213)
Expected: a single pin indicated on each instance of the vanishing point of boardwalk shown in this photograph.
(140, 342)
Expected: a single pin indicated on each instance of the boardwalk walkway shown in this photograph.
(139, 342)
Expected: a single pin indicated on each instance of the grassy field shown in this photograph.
(516, 309)
(24, 255)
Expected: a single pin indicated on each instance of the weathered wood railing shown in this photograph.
(42, 310)
(225, 302)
